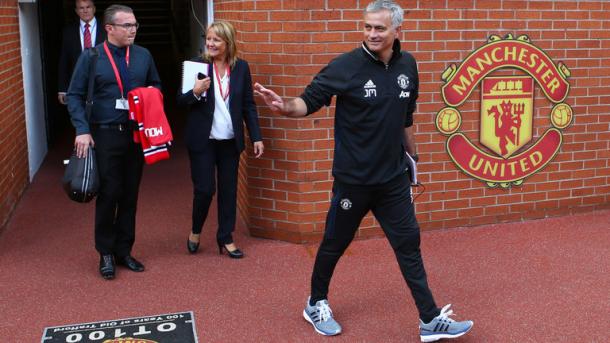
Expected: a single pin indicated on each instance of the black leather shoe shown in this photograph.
(131, 263)
(192, 246)
(107, 269)
(232, 254)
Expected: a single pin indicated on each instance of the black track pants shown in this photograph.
(391, 204)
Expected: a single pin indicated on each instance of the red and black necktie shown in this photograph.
(87, 37)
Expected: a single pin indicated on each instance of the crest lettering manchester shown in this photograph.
(509, 153)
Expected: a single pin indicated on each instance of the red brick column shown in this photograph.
(13, 138)
(285, 194)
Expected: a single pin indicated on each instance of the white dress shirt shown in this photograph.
(92, 29)
(222, 126)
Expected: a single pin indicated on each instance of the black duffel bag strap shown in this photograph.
(81, 179)
(92, 65)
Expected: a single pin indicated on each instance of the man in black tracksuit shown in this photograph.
(376, 87)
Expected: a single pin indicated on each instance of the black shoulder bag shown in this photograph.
(81, 179)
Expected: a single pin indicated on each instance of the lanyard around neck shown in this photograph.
(116, 70)
(224, 96)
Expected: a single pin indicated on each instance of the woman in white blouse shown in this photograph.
(219, 105)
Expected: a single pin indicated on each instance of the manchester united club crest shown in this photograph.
(403, 81)
(509, 152)
(345, 203)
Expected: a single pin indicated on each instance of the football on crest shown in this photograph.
(561, 115)
(448, 120)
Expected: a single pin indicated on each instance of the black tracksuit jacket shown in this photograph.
(375, 102)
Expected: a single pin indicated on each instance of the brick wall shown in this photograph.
(285, 194)
(13, 140)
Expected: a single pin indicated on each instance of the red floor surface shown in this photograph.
(540, 281)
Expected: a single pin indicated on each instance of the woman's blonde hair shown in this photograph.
(226, 32)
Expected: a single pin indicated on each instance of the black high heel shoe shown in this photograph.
(232, 254)
(192, 246)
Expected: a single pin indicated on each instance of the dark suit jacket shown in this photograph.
(241, 107)
(71, 50)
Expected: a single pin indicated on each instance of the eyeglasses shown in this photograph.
(128, 26)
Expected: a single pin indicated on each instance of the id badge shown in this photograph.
(122, 104)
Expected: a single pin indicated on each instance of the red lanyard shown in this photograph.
(116, 70)
(224, 96)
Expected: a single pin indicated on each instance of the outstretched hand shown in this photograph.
(274, 101)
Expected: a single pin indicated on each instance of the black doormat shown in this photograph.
(162, 328)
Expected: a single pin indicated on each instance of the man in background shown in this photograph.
(76, 37)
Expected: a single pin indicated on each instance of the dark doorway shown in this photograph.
(167, 28)
(52, 19)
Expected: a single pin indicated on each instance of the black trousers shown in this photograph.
(219, 161)
(120, 162)
(391, 204)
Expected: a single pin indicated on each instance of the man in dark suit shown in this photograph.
(76, 37)
(121, 66)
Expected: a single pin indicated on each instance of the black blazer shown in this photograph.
(241, 107)
(71, 50)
